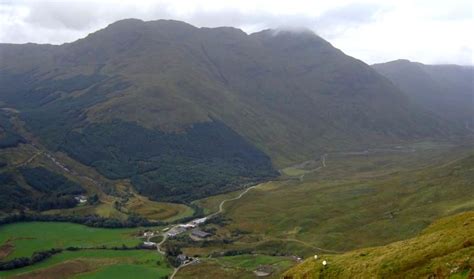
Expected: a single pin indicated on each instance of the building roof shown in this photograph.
(200, 233)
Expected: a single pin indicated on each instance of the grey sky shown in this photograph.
(435, 31)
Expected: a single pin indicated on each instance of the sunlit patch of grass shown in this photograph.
(446, 248)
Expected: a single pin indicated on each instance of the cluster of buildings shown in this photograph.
(196, 233)
(179, 229)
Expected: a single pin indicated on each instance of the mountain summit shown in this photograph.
(186, 112)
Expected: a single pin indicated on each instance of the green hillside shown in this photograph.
(200, 111)
(443, 250)
(356, 201)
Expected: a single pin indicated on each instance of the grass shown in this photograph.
(102, 264)
(211, 204)
(445, 249)
(163, 211)
(241, 266)
(126, 271)
(251, 262)
(37, 236)
(356, 201)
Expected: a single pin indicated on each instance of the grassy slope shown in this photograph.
(443, 249)
(241, 266)
(104, 264)
(37, 236)
(356, 201)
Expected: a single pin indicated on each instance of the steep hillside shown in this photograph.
(447, 90)
(186, 112)
(443, 250)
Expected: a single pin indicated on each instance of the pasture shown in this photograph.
(96, 264)
(29, 237)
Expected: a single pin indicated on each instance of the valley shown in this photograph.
(157, 149)
(259, 221)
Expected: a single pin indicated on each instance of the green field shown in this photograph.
(38, 236)
(96, 264)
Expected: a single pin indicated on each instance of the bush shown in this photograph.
(24, 261)
(91, 220)
(49, 182)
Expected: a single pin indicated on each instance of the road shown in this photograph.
(179, 267)
(323, 165)
(221, 205)
(221, 209)
(158, 245)
(29, 160)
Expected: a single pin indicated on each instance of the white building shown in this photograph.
(149, 244)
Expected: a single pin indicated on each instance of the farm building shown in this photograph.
(175, 231)
(200, 234)
(149, 244)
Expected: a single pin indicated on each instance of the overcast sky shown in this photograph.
(428, 31)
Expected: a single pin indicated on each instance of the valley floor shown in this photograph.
(335, 203)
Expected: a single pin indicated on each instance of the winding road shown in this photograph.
(221, 209)
(221, 205)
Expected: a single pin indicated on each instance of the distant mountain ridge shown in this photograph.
(445, 90)
(187, 112)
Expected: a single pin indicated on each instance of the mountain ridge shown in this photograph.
(445, 90)
(290, 96)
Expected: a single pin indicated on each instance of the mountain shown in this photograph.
(186, 112)
(443, 250)
(446, 90)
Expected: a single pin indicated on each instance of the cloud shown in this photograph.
(374, 31)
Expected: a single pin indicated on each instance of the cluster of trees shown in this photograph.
(8, 136)
(12, 196)
(172, 253)
(90, 220)
(48, 182)
(54, 202)
(24, 261)
(208, 158)
(53, 190)
(232, 253)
